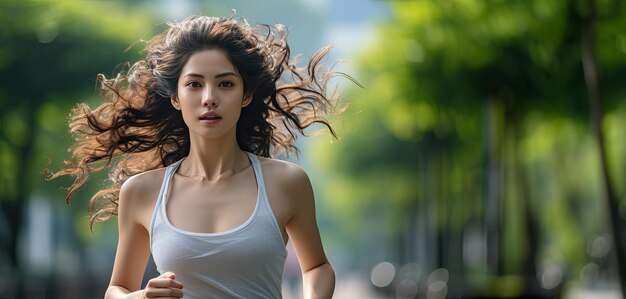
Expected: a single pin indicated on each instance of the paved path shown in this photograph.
(593, 294)
(351, 287)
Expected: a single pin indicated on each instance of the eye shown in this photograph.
(226, 84)
(193, 84)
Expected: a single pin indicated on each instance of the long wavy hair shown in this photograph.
(137, 129)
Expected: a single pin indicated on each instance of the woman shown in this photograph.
(189, 132)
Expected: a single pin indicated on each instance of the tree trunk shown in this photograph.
(530, 219)
(15, 206)
(493, 184)
(21, 152)
(595, 105)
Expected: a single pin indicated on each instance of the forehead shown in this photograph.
(208, 61)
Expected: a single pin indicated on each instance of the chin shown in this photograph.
(212, 133)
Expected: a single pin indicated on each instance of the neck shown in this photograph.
(212, 159)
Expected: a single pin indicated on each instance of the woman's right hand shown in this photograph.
(163, 286)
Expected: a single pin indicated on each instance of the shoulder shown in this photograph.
(288, 184)
(289, 189)
(138, 195)
(285, 174)
(142, 182)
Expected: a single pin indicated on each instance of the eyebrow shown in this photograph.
(225, 74)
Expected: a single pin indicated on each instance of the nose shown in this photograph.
(209, 98)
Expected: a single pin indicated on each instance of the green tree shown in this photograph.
(453, 91)
(50, 54)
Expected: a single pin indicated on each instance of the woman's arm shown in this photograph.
(317, 273)
(319, 282)
(133, 248)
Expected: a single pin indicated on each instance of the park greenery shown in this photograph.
(50, 54)
(475, 147)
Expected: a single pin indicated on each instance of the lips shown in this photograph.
(210, 116)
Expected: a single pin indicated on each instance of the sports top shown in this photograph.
(244, 262)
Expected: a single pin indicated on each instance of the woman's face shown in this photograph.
(210, 94)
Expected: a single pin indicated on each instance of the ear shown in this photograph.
(246, 101)
(175, 103)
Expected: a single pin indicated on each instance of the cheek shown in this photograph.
(186, 98)
(185, 105)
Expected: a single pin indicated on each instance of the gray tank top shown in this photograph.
(244, 262)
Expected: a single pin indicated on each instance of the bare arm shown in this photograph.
(318, 275)
(133, 251)
(319, 282)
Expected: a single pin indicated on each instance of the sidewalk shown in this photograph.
(593, 294)
(351, 287)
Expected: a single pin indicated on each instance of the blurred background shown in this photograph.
(484, 158)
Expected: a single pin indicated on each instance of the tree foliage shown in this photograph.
(50, 54)
(475, 111)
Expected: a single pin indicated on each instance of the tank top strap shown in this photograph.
(167, 178)
(266, 209)
(165, 185)
(258, 173)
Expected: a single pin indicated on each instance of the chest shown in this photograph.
(205, 207)
(208, 207)
(246, 261)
